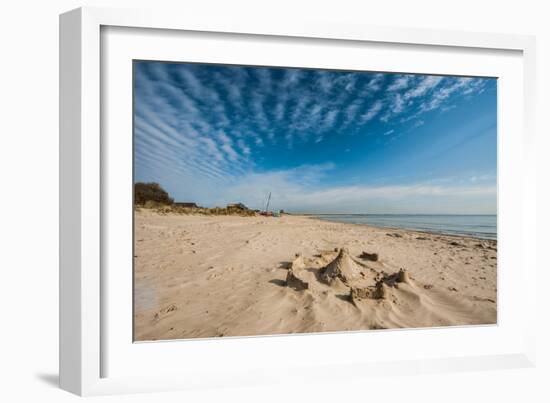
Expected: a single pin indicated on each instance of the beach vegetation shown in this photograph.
(151, 195)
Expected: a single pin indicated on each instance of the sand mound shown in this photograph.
(383, 288)
(349, 271)
(377, 292)
(295, 277)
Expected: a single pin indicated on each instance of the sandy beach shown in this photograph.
(211, 276)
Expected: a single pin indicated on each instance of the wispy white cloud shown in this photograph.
(425, 85)
(400, 82)
(245, 149)
(465, 85)
(227, 146)
(351, 113)
(373, 110)
(396, 106)
(324, 82)
(419, 95)
(330, 118)
(375, 83)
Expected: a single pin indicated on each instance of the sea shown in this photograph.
(476, 226)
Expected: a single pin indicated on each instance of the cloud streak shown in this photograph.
(294, 193)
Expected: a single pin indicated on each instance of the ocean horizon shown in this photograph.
(472, 225)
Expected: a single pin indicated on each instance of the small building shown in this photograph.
(186, 204)
(239, 206)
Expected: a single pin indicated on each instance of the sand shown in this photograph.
(212, 276)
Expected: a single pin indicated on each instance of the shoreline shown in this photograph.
(199, 276)
(425, 232)
(317, 217)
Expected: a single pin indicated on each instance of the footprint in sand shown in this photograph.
(165, 311)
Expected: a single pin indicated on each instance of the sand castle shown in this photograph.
(364, 282)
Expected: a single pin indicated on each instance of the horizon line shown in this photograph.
(450, 214)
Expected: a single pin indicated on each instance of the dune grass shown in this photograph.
(165, 209)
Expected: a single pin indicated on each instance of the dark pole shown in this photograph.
(267, 205)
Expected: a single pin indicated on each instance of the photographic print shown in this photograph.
(277, 200)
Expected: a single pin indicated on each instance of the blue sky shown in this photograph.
(320, 141)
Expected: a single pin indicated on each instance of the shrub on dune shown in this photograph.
(151, 192)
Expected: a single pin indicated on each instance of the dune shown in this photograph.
(203, 276)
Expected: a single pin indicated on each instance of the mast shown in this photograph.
(267, 204)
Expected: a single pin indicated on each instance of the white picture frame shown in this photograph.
(85, 307)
